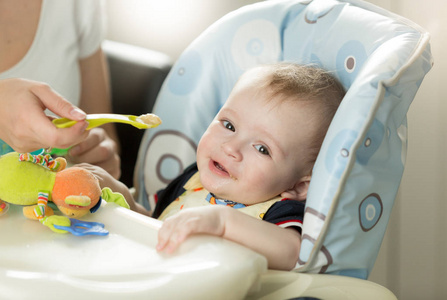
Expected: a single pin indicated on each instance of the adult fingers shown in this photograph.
(56, 103)
(63, 137)
(96, 152)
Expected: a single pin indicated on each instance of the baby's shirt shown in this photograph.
(279, 211)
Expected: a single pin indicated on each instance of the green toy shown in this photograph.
(33, 180)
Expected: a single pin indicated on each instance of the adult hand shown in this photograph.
(23, 123)
(97, 149)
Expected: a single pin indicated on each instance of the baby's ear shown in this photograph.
(299, 190)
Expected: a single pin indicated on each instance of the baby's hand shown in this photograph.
(105, 179)
(176, 229)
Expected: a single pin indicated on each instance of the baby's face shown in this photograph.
(254, 148)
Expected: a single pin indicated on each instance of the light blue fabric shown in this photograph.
(380, 58)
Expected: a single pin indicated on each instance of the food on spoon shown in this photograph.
(149, 119)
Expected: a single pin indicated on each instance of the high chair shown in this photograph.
(379, 57)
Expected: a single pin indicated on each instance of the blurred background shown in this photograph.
(411, 262)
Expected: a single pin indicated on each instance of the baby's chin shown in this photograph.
(216, 190)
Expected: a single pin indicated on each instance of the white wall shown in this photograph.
(412, 260)
(164, 25)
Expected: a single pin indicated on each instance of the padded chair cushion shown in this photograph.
(381, 60)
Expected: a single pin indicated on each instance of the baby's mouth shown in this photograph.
(222, 169)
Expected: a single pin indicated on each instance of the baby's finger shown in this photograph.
(160, 245)
(167, 245)
(171, 245)
(164, 234)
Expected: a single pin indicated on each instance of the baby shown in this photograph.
(254, 164)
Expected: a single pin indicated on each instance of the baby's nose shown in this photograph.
(232, 149)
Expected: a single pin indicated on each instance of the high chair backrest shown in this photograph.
(379, 57)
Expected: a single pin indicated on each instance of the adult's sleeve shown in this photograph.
(90, 25)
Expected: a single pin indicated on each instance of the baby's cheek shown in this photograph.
(261, 188)
(206, 141)
(279, 183)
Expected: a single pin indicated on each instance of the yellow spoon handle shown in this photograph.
(95, 120)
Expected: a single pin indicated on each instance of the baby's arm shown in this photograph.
(279, 245)
(107, 180)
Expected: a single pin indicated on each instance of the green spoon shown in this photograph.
(95, 120)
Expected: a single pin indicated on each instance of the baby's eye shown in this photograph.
(262, 149)
(228, 125)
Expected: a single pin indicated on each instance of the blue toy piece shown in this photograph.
(380, 58)
(81, 228)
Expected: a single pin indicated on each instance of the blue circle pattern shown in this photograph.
(370, 211)
(371, 142)
(170, 168)
(255, 47)
(339, 152)
(350, 59)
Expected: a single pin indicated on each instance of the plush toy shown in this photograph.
(33, 180)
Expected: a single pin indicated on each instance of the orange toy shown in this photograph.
(75, 192)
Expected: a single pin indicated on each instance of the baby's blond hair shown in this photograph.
(309, 83)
